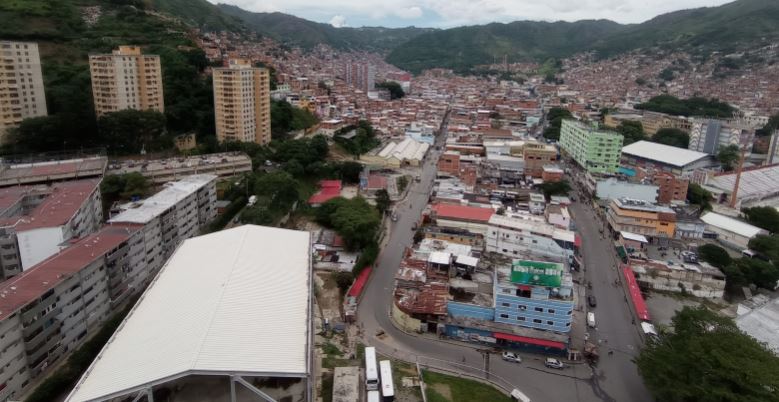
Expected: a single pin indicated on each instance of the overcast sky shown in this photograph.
(449, 13)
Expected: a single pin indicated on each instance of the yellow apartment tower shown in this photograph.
(242, 103)
(21, 84)
(126, 79)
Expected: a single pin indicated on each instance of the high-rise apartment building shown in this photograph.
(597, 151)
(21, 84)
(359, 75)
(126, 79)
(709, 136)
(242, 103)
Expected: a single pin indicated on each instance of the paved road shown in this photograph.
(616, 378)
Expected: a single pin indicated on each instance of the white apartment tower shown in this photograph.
(21, 84)
(242, 103)
(126, 79)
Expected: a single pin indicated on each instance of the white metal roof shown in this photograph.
(732, 225)
(439, 257)
(666, 154)
(235, 301)
(467, 260)
(635, 237)
(152, 207)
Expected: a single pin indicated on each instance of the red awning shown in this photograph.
(532, 341)
(635, 293)
(360, 282)
(577, 241)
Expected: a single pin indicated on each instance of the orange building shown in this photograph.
(672, 188)
(537, 155)
(640, 217)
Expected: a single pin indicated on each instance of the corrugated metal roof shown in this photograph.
(666, 154)
(732, 225)
(231, 301)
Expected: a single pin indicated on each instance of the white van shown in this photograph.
(591, 320)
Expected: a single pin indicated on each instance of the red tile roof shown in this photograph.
(377, 182)
(359, 283)
(60, 204)
(463, 213)
(18, 291)
(635, 293)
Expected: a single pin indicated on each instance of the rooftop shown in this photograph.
(462, 212)
(60, 202)
(23, 289)
(146, 210)
(755, 183)
(736, 226)
(762, 323)
(328, 189)
(534, 226)
(662, 153)
(641, 205)
(235, 301)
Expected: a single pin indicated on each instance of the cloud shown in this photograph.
(409, 13)
(338, 21)
(448, 13)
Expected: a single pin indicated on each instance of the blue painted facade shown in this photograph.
(536, 311)
(488, 338)
(455, 309)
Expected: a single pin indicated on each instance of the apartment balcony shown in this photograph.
(37, 339)
(44, 348)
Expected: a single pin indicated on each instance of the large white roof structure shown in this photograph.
(756, 185)
(662, 153)
(408, 149)
(732, 225)
(235, 302)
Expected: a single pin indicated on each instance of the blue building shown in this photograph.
(534, 294)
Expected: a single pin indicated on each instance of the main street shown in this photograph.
(616, 378)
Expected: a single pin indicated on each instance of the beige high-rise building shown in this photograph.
(242, 103)
(126, 79)
(21, 84)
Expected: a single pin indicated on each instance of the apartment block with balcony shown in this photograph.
(21, 84)
(176, 213)
(596, 151)
(35, 220)
(534, 294)
(126, 79)
(641, 217)
(670, 187)
(242, 103)
(50, 309)
(519, 237)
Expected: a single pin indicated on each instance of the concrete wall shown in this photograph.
(405, 321)
(456, 309)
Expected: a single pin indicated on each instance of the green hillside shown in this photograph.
(462, 48)
(307, 34)
(65, 40)
(741, 23)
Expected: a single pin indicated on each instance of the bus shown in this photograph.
(371, 372)
(374, 396)
(387, 390)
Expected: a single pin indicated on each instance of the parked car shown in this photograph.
(511, 357)
(394, 217)
(591, 301)
(553, 363)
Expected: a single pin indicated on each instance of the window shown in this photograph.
(539, 309)
(505, 304)
(550, 311)
(504, 316)
(521, 307)
(508, 291)
(537, 321)
(550, 323)
(520, 318)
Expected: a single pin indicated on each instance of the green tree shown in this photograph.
(129, 131)
(762, 274)
(356, 221)
(666, 75)
(673, 137)
(555, 118)
(699, 196)
(395, 90)
(349, 171)
(688, 107)
(343, 280)
(555, 188)
(729, 156)
(763, 217)
(714, 255)
(708, 359)
(640, 81)
(632, 131)
(279, 188)
(766, 245)
(257, 215)
(135, 185)
(382, 200)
